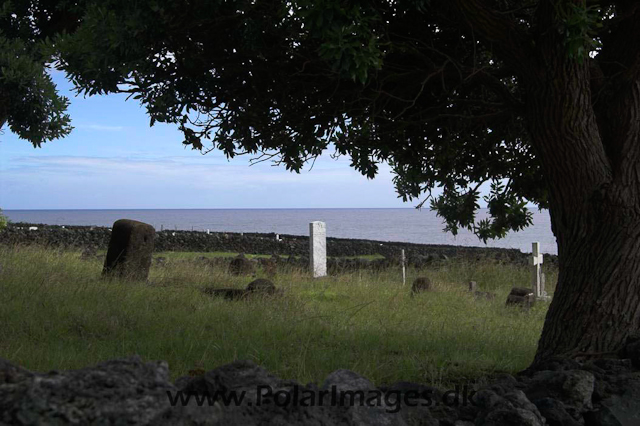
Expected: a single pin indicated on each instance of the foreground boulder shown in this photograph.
(129, 391)
(130, 250)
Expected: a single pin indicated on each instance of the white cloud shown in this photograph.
(188, 182)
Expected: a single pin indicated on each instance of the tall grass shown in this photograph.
(57, 313)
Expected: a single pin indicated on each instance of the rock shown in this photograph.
(603, 417)
(573, 387)
(632, 349)
(555, 364)
(512, 417)
(623, 404)
(420, 284)
(130, 250)
(122, 391)
(265, 396)
(522, 297)
(424, 391)
(129, 391)
(11, 374)
(555, 412)
(240, 265)
(261, 285)
(346, 380)
(354, 390)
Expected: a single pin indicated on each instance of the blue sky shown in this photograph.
(114, 160)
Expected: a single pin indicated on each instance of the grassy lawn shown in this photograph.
(56, 313)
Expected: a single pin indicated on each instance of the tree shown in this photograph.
(29, 102)
(540, 97)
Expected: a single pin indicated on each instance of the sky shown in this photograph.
(113, 159)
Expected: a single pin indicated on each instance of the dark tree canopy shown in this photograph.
(539, 97)
(403, 82)
(29, 102)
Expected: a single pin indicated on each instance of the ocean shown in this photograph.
(404, 225)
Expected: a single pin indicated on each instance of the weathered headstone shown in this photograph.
(130, 250)
(420, 284)
(261, 285)
(240, 265)
(318, 249)
(523, 297)
(538, 280)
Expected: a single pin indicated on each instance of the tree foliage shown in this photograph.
(29, 102)
(408, 82)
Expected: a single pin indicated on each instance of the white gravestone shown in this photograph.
(537, 278)
(318, 249)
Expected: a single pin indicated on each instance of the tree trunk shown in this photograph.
(591, 166)
(583, 117)
(597, 300)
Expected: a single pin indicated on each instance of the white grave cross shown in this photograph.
(404, 273)
(318, 249)
(537, 279)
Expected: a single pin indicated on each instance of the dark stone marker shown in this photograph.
(420, 284)
(130, 250)
(523, 297)
(261, 285)
(240, 265)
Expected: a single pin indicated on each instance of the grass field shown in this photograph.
(57, 313)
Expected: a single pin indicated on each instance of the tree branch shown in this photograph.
(509, 42)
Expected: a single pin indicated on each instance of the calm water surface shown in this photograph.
(407, 225)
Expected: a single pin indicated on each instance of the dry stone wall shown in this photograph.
(80, 237)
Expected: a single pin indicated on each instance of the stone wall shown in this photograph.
(560, 392)
(80, 237)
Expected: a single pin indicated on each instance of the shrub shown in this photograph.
(3, 221)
